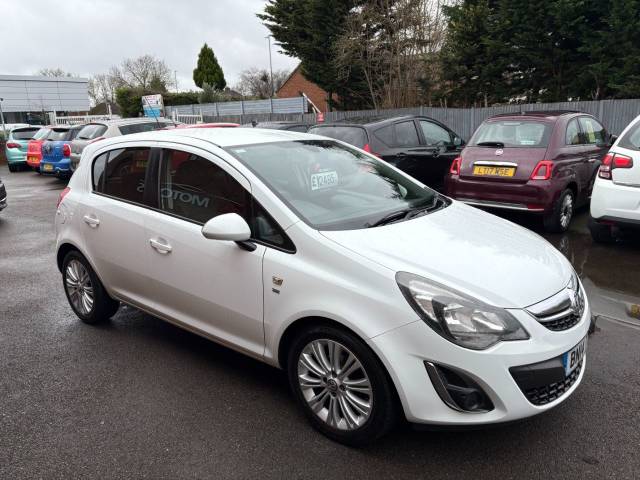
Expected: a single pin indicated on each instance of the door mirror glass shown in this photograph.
(457, 141)
(229, 226)
(612, 139)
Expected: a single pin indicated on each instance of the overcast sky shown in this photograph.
(86, 37)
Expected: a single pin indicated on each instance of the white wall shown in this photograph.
(34, 94)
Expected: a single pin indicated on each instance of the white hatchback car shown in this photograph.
(615, 201)
(377, 295)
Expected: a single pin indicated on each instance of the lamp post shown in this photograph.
(4, 128)
(268, 37)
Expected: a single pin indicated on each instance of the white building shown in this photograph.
(27, 98)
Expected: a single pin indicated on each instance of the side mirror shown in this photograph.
(457, 141)
(230, 226)
(612, 139)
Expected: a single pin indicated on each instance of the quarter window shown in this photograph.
(406, 134)
(435, 134)
(98, 172)
(593, 132)
(125, 174)
(573, 133)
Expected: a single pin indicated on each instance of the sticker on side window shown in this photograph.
(324, 180)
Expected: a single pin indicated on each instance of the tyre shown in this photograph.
(342, 387)
(559, 219)
(84, 291)
(13, 168)
(600, 232)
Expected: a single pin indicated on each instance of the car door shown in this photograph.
(212, 286)
(596, 147)
(113, 219)
(444, 151)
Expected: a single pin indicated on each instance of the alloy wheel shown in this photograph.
(79, 287)
(566, 211)
(335, 384)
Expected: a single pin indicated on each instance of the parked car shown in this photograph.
(616, 194)
(94, 131)
(3, 196)
(379, 296)
(203, 125)
(56, 150)
(283, 125)
(16, 146)
(34, 148)
(419, 146)
(538, 162)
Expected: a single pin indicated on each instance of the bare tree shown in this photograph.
(393, 43)
(144, 72)
(102, 88)
(256, 82)
(54, 72)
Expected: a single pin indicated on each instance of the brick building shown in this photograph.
(297, 84)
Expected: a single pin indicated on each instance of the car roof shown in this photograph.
(538, 114)
(366, 121)
(222, 137)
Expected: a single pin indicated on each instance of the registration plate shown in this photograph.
(324, 180)
(48, 167)
(495, 171)
(32, 159)
(573, 357)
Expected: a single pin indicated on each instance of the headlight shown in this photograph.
(463, 320)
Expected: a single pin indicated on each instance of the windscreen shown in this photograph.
(41, 134)
(91, 131)
(23, 133)
(331, 186)
(59, 134)
(352, 135)
(512, 133)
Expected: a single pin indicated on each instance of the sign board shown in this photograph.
(319, 117)
(153, 106)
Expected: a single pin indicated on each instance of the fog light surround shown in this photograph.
(457, 390)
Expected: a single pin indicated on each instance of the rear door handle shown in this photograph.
(91, 220)
(160, 247)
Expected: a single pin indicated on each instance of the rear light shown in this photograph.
(455, 166)
(367, 149)
(66, 150)
(543, 170)
(13, 145)
(95, 140)
(611, 161)
(63, 194)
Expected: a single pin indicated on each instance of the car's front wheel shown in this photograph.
(559, 219)
(341, 385)
(85, 293)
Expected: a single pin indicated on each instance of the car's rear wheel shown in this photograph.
(85, 293)
(13, 168)
(559, 219)
(341, 385)
(601, 233)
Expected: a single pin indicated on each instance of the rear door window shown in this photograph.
(573, 136)
(593, 132)
(513, 133)
(435, 134)
(385, 135)
(91, 131)
(406, 134)
(353, 135)
(125, 173)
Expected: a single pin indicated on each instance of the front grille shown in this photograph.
(563, 310)
(548, 393)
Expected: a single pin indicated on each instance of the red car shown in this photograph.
(539, 162)
(34, 148)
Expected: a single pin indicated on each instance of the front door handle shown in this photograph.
(160, 247)
(91, 220)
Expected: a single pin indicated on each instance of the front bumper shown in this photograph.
(533, 196)
(405, 350)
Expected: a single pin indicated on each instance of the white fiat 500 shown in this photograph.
(379, 297)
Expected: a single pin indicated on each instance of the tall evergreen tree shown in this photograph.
(208, 70)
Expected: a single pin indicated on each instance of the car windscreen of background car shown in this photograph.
(23, 133)
(351, 135)
(91, 131)
(631, 139)
(142, 127)
(331, 186)
(513, 133)
(41, 134)
(59, 134)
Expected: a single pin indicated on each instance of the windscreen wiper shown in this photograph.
(407, 213)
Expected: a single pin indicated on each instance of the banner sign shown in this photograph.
(153, 106)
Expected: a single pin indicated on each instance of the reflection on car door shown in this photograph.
(210, 285)
(113, 219)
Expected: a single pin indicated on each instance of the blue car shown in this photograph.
(56, 150)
